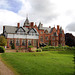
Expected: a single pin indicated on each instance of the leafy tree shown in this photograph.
(69, 39)
(3, 41)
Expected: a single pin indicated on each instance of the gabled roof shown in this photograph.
(34, 30)
(14, 29)
(51, 29)
(26, 29)
(10, 29)
(46, 28)
(61, 30)
(55, 34)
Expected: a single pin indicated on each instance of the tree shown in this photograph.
(69, 39)
(3, 41)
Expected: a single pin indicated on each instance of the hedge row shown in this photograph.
(50, 48)
(2, 49)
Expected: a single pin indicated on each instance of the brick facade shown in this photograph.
(47, 35)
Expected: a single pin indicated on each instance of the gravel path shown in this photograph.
(4, 70)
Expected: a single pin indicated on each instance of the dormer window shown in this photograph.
(20, 31)
(41, 32)
(46, 31)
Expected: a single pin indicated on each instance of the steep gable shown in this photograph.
(33, 31)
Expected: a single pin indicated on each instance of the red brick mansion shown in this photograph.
(34, 35)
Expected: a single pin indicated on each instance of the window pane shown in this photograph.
(41, 38)
(23, 42)
(35, 42)
(29, 42)
(11, 41)
(17, 42)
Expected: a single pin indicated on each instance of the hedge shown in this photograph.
(2, 49)
(39, 50)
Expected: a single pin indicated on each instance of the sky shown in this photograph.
(48, 12)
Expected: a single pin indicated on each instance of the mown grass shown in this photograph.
(41, 63)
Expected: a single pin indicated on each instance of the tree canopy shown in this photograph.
(69, 39)
(3, 41)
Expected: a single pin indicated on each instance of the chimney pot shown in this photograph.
(18, 25)
(57, 27)
(49, 26)
(32, 24)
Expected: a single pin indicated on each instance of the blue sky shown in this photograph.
(11, 5)
(49, 12)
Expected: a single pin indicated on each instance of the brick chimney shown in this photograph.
(49, 26)
(18, 25)
(57, 27)
(32, 24)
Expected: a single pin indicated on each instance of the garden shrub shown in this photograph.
(70, 48)
(51, 47)
(73, 48)
(45, 48)
(39, 50)
(57, 48)
(16, 50)
(2, 49)
(12, 46)
(59, 45)
(30, 46)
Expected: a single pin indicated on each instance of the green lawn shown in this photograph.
(41, 63)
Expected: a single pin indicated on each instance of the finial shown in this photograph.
(26, 16)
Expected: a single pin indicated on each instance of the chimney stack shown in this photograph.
(57, 27)
(32, 24)
(49, 26)
(18, 25)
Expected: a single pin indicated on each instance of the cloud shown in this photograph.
(43, 10)
(8, 18)
(49, 12)
(71, 27)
